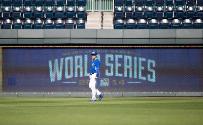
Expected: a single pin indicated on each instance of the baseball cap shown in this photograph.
(93, 53)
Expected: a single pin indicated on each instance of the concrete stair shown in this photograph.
(93, 20)
(99, 20)
(107, 20)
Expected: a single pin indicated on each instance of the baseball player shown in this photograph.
(93, 75)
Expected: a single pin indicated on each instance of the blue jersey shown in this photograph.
(95, 67)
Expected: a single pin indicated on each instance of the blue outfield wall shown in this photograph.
(122, 70)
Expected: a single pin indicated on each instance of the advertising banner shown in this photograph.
(122, 69)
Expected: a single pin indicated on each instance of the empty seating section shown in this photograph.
(155, 14)
(42, 14)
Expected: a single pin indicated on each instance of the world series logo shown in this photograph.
(124, 66)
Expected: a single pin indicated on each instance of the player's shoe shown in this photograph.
(101, 96)
(92, 101)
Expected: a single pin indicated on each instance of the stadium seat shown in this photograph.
(80, 24)
(190, 12)
(6, 12)
(17, 24)
(81, 13)
(159, 12)
(142, 24)
(130, 24)
(153, 24)
(39, 12)
(59, 12)
(118, 12)
(118, 24)
(180, 2)
(129, 12)
(139, 2)
(28, 12)
(149, 2)
(49, 24)
(168, 12)
(17, 2)
(138, 14)
(187, 24)
(38, 24)
(16, 14)
(164, 24)
(28, 2)
(49, 2)
(128, 2)
(179, 12)
(27, 24)
(159, 2)
(69, 24)
(38, 2)
(198, 23)
(199, 2)
(169, 3)
(60, 2)
(149, 12)
(159, 9)
(179, 9)
(199, 13)
(59, 24)
(49, 12)
(80, 2)
(176, 23)
(70, 12)
(70, 2)
(118, 2)
(190, 2)
(6, 2)
(7, 24)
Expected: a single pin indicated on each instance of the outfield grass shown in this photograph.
(111, 111)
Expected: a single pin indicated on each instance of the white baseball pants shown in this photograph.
(92, 86)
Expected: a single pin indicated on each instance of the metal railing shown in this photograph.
(100, 5)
